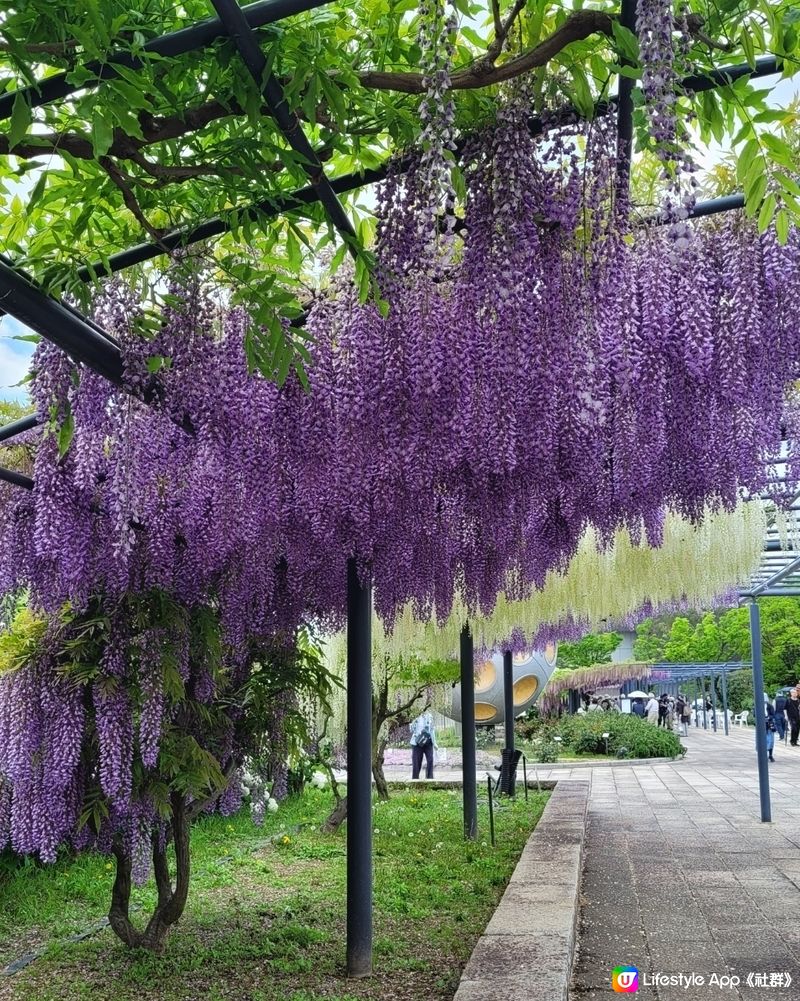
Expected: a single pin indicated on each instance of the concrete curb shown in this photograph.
(526, 951)
(543, 766)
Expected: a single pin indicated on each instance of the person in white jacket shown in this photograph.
(651, 709)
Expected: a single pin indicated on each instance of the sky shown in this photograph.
(14, 359)
(15, 355)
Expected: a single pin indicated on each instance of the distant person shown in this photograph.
(651, 709)
(663, 710)
(769, 722)
(423, 742)
(637, 708)
(594, 706)
(684, 712)
(780, 716)
(793, 716)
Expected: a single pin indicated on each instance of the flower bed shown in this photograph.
(628, 737)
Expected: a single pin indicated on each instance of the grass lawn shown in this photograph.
(265, 919)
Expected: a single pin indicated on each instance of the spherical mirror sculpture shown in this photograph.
(530, 672)
(485, 676)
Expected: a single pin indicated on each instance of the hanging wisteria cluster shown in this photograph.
(616, 586)
(559, 373)
(661, 49)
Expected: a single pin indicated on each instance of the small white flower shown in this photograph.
(272, 805)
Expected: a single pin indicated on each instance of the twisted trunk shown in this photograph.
(171, 901)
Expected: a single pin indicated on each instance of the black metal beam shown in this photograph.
(15, 478)
(292, 201)
(19, 426)
(625, 112)
(232, 17)
(59, 323)
(176, 43)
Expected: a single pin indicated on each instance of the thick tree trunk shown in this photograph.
(378, 752)
(336, 817)
(171, 902)
(118, 915)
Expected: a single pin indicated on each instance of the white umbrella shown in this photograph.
(636, 695)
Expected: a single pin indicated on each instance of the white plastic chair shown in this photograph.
(741, 718)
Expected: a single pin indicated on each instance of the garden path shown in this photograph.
(680, 875)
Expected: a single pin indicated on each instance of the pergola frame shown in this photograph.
(87, 343)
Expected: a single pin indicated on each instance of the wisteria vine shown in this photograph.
(560, 372)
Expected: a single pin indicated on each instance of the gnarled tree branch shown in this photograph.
(579, 25)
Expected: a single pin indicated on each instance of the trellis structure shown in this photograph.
(85, 342)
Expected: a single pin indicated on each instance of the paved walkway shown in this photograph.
(681, 876)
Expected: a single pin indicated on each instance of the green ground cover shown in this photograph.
(265, 919)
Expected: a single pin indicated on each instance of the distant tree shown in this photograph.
(679, 647)
(650, 639)
(596, 648)
(725, 636)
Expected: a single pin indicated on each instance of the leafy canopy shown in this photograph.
(180, 140)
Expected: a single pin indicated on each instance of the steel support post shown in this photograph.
(468, 766)
(508, 699)
(359, 773)
(760, 711)
(714, 703)
(724, 677)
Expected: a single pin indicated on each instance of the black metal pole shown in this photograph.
(235, 22)
(176, 43)
(713, 702)
(625, 112)
(19, 426)
(508, 699)
(15, 478)
(359, 774)
(491, 809)
(468, 766)
(63, 326)
(760, 712)
(725, 701)
(705, 714)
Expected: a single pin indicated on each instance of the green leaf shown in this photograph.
(756, 184)
(750, 151)
(627, 42)
(293, 252)
(766, 213)
(582, 94)
(788, 184)
(38, 191)
(102, 133)
(65, 435)
(472, 36)
(749, 49)
(21, 118)
(782, 226)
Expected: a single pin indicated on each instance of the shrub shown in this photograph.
(584, 735)
(547, 752)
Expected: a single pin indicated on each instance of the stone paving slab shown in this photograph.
(680, 875)
(527, 949)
